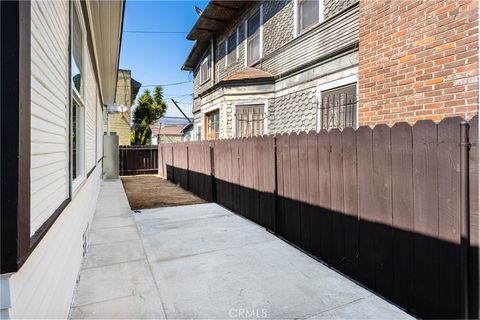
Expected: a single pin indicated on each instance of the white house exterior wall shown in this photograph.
(49, 106)
(43, 286)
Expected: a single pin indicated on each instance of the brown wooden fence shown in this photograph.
(138, 160)
(394, 208)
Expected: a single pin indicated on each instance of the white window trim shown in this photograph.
(207, 58)
(321, 17)
(249, 103)
(81, 178)
(260, 13)
(208, 110)
(331, 85)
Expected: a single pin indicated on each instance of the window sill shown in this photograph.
(202, 83)
(307, 30)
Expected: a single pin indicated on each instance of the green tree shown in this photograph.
(149, 109)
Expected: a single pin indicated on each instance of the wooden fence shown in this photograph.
(138, 160)
(394, 208)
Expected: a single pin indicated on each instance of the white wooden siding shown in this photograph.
(44, 286)
(49, 120)
(90, 114)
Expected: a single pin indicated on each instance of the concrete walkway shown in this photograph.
(202, 261)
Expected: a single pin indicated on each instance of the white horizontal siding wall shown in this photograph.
(90, 115)
(44, 285)
(43, 288)
(49, 121)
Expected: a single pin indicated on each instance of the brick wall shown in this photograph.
(418, 60)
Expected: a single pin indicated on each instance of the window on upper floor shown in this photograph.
(308, 14)
(253, 38)
(231, 48)
(205, 69)
(77, 107)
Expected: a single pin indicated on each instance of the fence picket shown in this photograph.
(366, 263)
(403, 220)
(350, 198)
(426, 217)
(449, 216)
(382, 209)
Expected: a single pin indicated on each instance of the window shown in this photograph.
(205, 70)
(253, 38)
(339, 107)
(309, 13)
(212, 125)
(249, 120)
(77, 108)
(231, 48)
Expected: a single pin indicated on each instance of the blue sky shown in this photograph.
(157, 58)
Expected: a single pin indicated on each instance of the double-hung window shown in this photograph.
(77, 108)
(253, 38)
(231, 48)
(309, 14)
(205, 69)
(212, 125)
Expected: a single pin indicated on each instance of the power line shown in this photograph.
(155, 32)
(163, 85)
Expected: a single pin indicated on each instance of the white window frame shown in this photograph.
(80, 121)
(249, 103)
(229, 63)
(296, 17)
(332, 85)
(205, 59)
(260, 12)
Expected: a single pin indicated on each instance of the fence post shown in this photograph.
(464, 210)
(212, 175)
(275, 190)
(188, 169)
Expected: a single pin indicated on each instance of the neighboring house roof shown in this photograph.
(174, 120)
(213, 19)
(248, 74)
(187, 127)
(135, 88)
(168, 130)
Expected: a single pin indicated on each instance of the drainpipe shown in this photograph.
(464, 210)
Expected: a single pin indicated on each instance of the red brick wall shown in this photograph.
(417, 60)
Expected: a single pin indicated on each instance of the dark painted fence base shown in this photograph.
(383, 206)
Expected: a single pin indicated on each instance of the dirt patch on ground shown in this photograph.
(151, 191)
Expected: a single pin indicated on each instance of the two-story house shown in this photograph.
(266, 67)
(274, 66)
